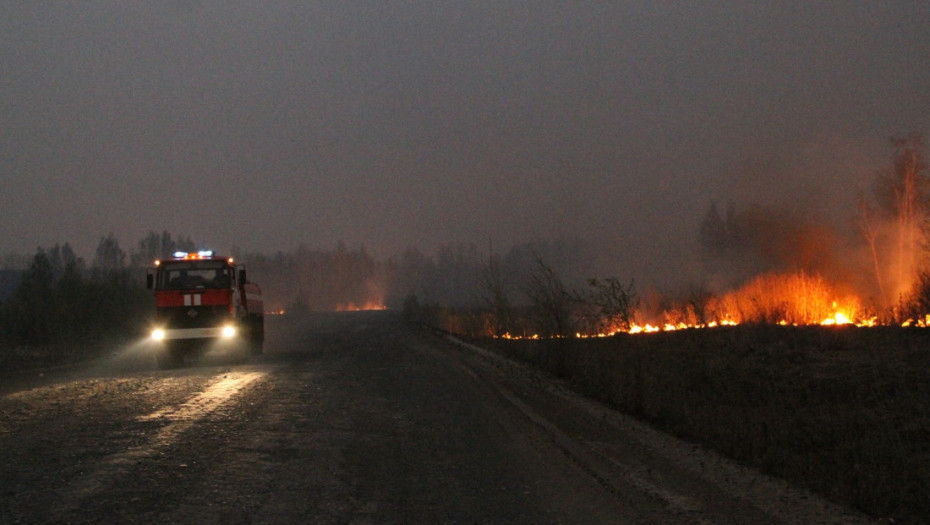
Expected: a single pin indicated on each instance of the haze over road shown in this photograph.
(355, 418)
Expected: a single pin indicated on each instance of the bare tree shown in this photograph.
(901, 196)
(109, 258)
(613, 304)
(910, 202)
(870, 231)
(551, 301)
(495, 298)
(160, 246)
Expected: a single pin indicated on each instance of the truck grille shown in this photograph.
(192, 316)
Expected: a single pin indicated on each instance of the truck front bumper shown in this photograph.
(213, 332)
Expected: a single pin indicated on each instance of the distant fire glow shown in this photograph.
(352, 307)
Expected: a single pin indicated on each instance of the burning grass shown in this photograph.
(844, 411)
(788, 299)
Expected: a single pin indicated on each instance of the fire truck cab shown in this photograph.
(204, 302)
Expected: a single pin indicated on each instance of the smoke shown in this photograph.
(739, 244)
(840, 209)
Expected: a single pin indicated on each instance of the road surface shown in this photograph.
(353, 418)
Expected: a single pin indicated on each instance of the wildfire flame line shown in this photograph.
(837, 319)
(352, 307)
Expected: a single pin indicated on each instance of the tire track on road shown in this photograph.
(180, 419)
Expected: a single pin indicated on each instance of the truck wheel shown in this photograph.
(255, 347)
(256, 336)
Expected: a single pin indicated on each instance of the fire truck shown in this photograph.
(204, 302)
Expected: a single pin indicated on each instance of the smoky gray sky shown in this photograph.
(267, 125)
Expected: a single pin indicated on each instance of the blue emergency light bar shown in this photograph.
(199, 255)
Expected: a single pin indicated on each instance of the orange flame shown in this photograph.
(786, 300)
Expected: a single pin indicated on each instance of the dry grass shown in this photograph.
(843, 411)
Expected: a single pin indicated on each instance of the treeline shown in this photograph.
(538, 303)
(307, 279)
(541, 288)
(60, 299)
(453, 279)
(535, 289)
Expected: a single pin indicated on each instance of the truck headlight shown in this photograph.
(158, 334)
(229, 331)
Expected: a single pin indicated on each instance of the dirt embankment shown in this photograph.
(843, 411)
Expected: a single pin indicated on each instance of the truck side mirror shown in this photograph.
(149, 281)
(242, 279)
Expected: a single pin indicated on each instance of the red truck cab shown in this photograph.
(203, 301)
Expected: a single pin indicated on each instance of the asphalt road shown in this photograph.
(353, 418)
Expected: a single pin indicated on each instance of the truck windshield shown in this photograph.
(189, 275)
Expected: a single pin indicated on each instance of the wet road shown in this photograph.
(353, 418)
